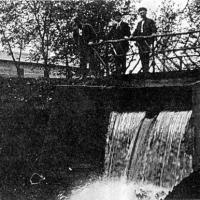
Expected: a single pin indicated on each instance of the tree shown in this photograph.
(44, 28)
(168, 20)
(192, 13)
(96, 12)
(62, 41)
(171, 19)
(41, 13)
(99, 14)
(15, 30)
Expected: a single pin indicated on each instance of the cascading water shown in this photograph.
(122, 129)
(142, 153)
(148, 149)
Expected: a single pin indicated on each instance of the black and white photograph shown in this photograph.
(100, 100)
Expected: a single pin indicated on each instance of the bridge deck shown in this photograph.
(173, 78)
(141, 80)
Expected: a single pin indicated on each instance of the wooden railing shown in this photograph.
(169, 52)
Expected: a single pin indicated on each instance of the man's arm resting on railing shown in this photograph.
(134, 38)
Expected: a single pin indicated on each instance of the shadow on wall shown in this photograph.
(79, 122)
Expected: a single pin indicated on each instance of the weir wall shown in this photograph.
(80, 115)
(51, 130)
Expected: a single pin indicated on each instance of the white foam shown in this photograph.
(117, 189)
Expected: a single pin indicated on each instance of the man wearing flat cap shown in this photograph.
(120, 30)
(145, 27)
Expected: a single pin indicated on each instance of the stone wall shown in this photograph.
(30, 70)
(51, 129)
(196, 124)
(80, 116)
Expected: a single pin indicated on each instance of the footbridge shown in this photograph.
(171, 52)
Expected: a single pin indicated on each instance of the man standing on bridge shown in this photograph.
(119, 30)
(145, 27)
(84, 35)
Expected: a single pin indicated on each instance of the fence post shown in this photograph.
(106, 60)
(181, 62)
(153, 55)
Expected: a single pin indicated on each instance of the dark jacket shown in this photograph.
(119, 33)
(88, 34)
(149, 27)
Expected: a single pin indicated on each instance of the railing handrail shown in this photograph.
(134, 38)
(167, 52)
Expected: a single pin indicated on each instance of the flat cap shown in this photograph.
(142, 8)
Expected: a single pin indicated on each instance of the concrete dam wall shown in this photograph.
(81, 118)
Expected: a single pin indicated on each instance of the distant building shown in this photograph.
(30, 69)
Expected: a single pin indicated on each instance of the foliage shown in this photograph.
(168, 20)
(24, 116)
(62, 42)
(44, 28)
(97, 13)
(192, 14)
(43, 133)
(41, 13)
(15, 29)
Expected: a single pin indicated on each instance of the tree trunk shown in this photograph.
(20, 71)
(68, 71)
(46, 71)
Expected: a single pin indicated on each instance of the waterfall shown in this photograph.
(122, 130)
(145, 149)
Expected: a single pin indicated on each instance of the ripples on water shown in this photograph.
(116, 189)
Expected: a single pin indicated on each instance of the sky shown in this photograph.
(154, 4)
